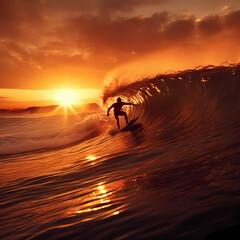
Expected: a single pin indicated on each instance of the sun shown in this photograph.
(67, 97)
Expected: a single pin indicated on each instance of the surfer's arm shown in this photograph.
(130, 104)
(109, 110)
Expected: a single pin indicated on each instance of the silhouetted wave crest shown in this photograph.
(184, 104)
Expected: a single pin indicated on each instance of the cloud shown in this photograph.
(210, 25)
(101, 7)
(17, 16)
(232, 20)
(69, 39)
(180, 29)
(119, 35)
(125, 5)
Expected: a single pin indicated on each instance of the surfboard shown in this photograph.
(127, 127)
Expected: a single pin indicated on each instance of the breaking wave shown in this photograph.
(186, 105)
(193, 105)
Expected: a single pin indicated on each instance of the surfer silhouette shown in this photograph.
(117, 110)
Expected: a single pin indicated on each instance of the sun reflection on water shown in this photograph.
(92, 205)
(91, 159)
(99, 199)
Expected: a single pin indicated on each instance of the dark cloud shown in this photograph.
(126, 37)
(210, 25)
(132, 34)
(180, 29)
(232, 20)
(101, 7)
(125, 5)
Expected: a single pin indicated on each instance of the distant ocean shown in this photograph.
(174, 175)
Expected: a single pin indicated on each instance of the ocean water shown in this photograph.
(174, 175)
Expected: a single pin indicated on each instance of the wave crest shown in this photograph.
(183, 103)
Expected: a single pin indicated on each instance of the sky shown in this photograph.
(79, 44)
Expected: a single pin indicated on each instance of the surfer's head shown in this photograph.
(119, 99)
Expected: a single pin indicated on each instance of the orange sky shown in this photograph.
(76, 44)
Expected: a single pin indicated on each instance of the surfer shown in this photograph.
(117, 110)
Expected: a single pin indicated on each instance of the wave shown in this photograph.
(194, 105)
(28, 141)
(184, 104)
(29, 110)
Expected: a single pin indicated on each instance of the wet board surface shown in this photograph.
(127, 127)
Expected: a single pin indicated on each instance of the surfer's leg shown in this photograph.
(121, 113)
(117, 118)
(118, 123)
(125, 115)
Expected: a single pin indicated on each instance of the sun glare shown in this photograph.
(67, 97)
